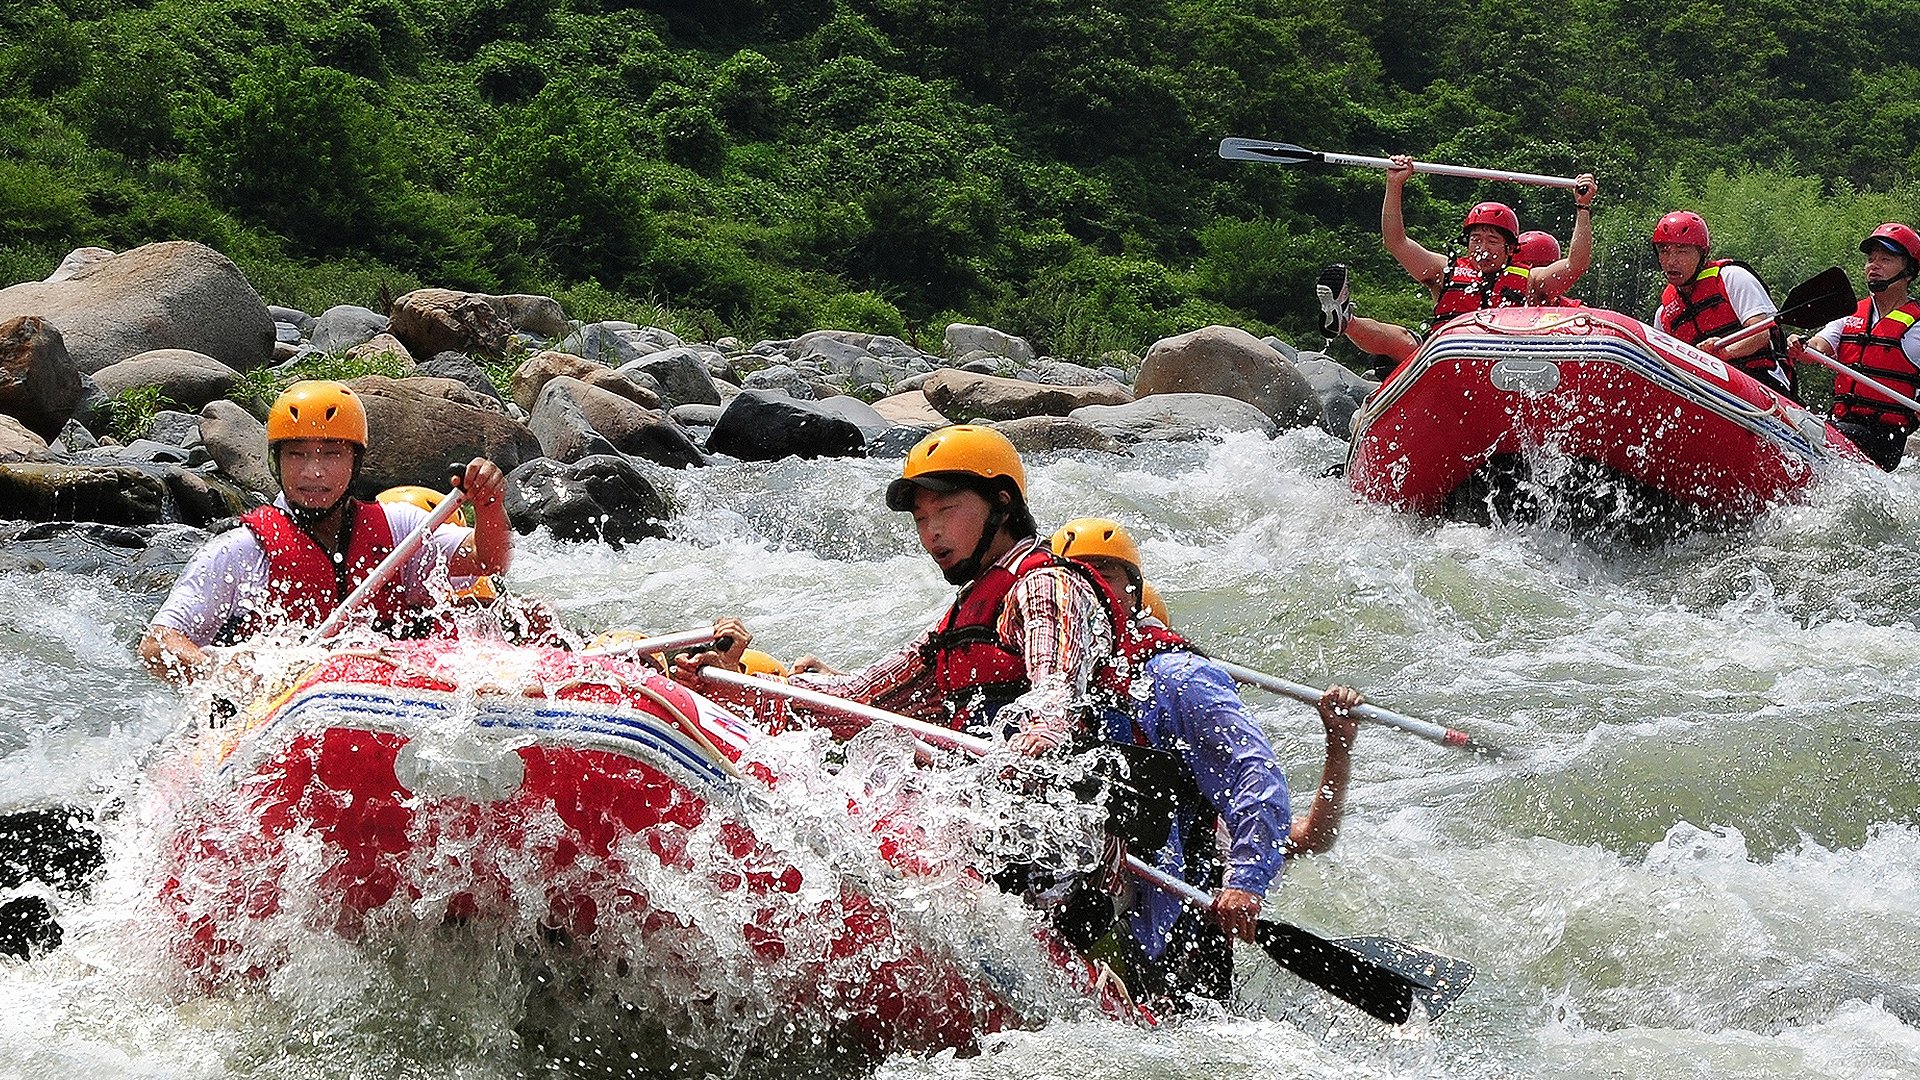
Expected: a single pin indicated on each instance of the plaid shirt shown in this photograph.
(1051, 617)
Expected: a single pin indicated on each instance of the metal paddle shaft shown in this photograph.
(1817, 301)
(401, 553)
(1426, 729)
(686, 639)
(1839, 368)
(1280, 153)
(1381, 976)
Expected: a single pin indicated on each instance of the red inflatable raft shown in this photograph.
(1512, 409)
(427, 784)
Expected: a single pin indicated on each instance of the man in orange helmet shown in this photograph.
(1708, 299)
(296, 559)
(1881, 340)
(1177, 701)
(1484, 274)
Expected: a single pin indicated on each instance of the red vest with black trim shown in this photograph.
(973, 670)
(1705, 311)
(305, 584)
(1874, 350)
(1464, 288)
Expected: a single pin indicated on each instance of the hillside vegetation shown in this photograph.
(763, 167)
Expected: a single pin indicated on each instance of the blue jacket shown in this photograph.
(1192, 709)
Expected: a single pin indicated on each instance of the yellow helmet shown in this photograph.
(1150, 599)
(960, 456)
(317, 409)
(425, 498)
(1084, 538)
(758, 663)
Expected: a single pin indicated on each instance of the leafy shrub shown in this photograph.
(130, 413)
(863, 311)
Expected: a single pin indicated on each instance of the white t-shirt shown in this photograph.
(1909, 341)
(229, 574)
(1745, 293)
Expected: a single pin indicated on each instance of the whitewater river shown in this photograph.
(1705, 861)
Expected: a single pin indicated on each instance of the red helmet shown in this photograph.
(1498, 215)
(1683, 227)
(1538, 249)
(1894, 237)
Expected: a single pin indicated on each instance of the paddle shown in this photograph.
(1279, 153)
(1426, 729)
(1817, 301)
(1382, 976)
(401, 552)
(685, 639)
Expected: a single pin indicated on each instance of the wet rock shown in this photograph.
(894, 443)
(173, 295)
(572, 416)
(175, 428)
(424, 424)
(183, 377)
(761, 425)
(109, 494)
(605, 497)
(964, 338)
(1175, 417)
(75, 436)
(40, 386)
(343, 326)
(463, 369)
(681, 373)
(962, 395)
(1339, 389)
(237, 441)
(1229, 362)
(1039, 434)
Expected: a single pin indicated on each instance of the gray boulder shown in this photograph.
(182, 376)
(1068, 373)
(1339, 389)
(682, 374)
(611, 344)
(294, 317)
(786, 377)
(173, 295)
(463, 369)
(237, 442)
(571, 414)
(1175, 418)
(343, 326)
(39, 384)
(1042, 434)
(424, 424)
(606, 497)
(965, 338)
(760, 425)
(963, 395)
(1229, 362)
(175, 428)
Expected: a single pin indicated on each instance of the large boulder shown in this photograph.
(965, 339)
(1339, 389)
(541, 316)
(237, 442)
(1230, 362)
(619, 424)
(39, 384)
(182, 376)
(17, 442)
(433, 321)
(1040, 434)
(763, 425)
(605, 497)
(172, 295)
(1175, 418)
(911, 409)
(122, 493)
(966, 395)
(681, 372)
(425, 424)
(343, 326)
(535, 371)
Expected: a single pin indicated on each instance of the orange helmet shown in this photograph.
(965, 456)
(1150, 599)
(318, 409)
(1084, 538)
(425, 498)
(758, 663)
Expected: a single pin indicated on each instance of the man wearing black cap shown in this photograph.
(1881, 340)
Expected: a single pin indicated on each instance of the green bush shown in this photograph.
(130, 413)
(863, 311)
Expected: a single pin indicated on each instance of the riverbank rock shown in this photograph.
(1339, 389)
(39, 384)
(681, 373)
(343, 326)
(182, 376)
(433, 321)
(173, 295)
(911, 409)
(763, 425)
(963, 395)
(965, 341)
(1175, 417)
(237, 442)
(423, 424)
(1044, 434)
(537, 370)
(604, 497)
(1229, 362)
(17, 442)
(573, 420)
(123, 493)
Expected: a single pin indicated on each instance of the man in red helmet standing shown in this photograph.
(1484, 274)
(1880, 340)
(295, 560)
(1705, 300)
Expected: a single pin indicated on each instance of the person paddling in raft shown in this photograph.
(1190, 709)
(296, 559)
(1881, 340)
(1708, 299)
(1485, 273)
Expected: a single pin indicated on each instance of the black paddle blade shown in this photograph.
(1266, 150)
(1381, 976)
(1817, 301)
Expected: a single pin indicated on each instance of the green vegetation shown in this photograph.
(130, 413)
(763, 168)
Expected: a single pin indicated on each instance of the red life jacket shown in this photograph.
(1875, 350)
(304, 584)
(1705, 311)
(1464, 289)
(973, 670)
